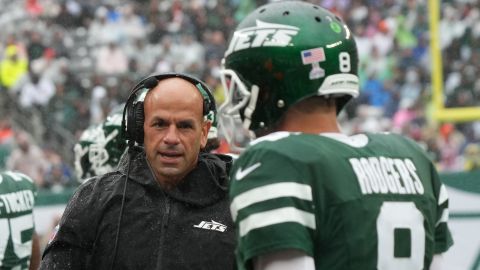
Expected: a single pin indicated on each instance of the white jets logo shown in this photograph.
(262, 35)
(240, 174)
(212, 226)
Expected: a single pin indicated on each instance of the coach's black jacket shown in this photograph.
(189, 227)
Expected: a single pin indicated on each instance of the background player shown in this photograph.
(19, 244)
(100, 147)
(306, 196)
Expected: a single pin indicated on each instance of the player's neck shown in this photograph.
(313, 123)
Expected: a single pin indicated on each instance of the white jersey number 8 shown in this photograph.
(394, 216)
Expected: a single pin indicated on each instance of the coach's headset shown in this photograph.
(134, 117)
(133, 113)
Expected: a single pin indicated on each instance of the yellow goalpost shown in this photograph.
(464, 114)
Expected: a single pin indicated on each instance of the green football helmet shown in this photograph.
(100, 147)
(213, 131)
(213, 142)
(279, 54)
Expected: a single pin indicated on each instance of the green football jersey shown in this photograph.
(17, 198)
(370, 201)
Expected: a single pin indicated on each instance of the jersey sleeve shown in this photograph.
(271, 204)
(443, 237)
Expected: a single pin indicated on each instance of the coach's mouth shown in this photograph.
(170, 156)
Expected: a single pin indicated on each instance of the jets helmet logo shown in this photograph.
(262, 35)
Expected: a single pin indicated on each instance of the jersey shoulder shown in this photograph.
(11, 181)
(282, 144)
(17, 194)
(275, 158)
(276, 148)
(396, 141)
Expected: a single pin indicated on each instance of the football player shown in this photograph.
(304, 195)
(19, 244)
(100, 147)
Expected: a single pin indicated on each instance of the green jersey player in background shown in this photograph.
(19, 246)
(304, 195)
(100, 147)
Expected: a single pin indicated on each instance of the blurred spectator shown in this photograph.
(36, 92)
(449, 142)
(383, 38)
(111, 60)
(49, 66)
(12, 67)
(69, 15)
(6, 131)
(6, 140)
(406, 113)
(144, 54)
(101, 31)
(472, 157)
(28, 158)
(216, 87)
(159, 30)
(215, 45)
(35, 46)
(411, 89)
(99, 93)
(166, 60)
(192, 55)
(33, 7)
(60, 45)
(61, 110)
(383, 68)
(59, 175)
(374, 93)
(131, 24)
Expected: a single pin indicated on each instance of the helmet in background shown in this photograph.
(100, 147)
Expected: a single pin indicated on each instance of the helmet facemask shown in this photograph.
(235, 113)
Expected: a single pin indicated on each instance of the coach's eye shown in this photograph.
(185, 125)
(160, 124)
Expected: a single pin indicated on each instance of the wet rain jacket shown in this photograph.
(188, 227)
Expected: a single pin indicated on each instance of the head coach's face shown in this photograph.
(175, 129)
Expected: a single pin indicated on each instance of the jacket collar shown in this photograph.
(206, 184)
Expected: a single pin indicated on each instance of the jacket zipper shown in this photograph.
(163, 232)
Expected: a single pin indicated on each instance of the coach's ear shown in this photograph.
(205, 128)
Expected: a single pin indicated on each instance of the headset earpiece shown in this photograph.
(139, 120)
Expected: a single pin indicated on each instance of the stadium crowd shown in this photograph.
(64, 65)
